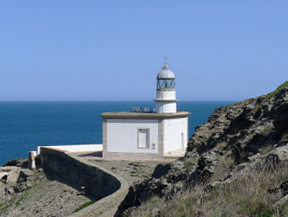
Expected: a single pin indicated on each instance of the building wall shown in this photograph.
(122, 135)
(175, 134)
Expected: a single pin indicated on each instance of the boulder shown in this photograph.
(161, 170)
(4, 175)
(17, 162)
(280, 153)
(13, 175)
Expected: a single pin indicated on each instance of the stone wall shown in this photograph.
(97, 182)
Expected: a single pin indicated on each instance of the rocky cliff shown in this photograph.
(25, 192)
(239, 142)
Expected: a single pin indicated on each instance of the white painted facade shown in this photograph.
(165, 107)
(161, 95)
(123, 135)
(175, 135)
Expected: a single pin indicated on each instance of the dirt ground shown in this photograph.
(130, 170)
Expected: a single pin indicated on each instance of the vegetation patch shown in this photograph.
(274, 93)
(22, 197)
(189, 165)
(4, 208)
(249, 195)
(84, 205)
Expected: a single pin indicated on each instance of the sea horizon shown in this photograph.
(233, 101)
(24, 125)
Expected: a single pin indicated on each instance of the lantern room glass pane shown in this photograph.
(166, 84)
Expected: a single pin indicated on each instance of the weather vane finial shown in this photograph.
(165, 63)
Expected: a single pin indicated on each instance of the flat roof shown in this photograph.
(136, 115)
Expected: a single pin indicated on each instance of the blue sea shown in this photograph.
(26, 125)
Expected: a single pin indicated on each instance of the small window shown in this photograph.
(143, 138)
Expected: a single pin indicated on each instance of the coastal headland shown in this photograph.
(235, 165)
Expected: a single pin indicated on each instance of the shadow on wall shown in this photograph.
(85, 177)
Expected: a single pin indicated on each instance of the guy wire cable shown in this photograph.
(228, 91)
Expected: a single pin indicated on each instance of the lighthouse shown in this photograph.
(165, 101)
(143, 133)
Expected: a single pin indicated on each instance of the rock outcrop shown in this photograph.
(236, 140)
(15, 177)
(26, 192)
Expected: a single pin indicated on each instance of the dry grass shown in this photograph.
(255, 194)
(223, 167)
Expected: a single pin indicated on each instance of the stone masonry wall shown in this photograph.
(96, 182)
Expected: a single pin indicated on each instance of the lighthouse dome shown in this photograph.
(165, 73)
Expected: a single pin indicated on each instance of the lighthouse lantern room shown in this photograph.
(165, 101)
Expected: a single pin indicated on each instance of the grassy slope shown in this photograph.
(257, 194)
(252, 195)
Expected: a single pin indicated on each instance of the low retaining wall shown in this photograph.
(75, 148)
(97, 182)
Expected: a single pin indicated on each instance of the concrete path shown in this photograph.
(107, 206)
(122, 169)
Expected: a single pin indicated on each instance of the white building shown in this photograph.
(148, 134)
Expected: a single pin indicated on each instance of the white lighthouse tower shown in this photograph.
(165, 101)
(145, 134)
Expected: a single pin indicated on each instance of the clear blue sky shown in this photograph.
(113, 50)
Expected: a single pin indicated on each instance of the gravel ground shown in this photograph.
(130, 170)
